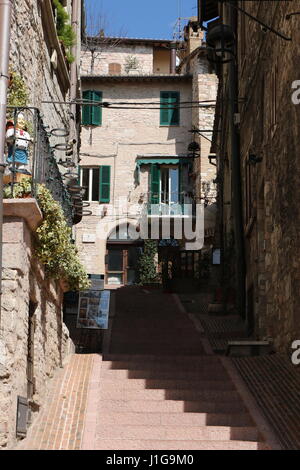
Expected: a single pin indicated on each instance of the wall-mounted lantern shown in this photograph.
(220, 40)
(194, 150)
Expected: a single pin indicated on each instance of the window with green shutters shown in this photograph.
(169, 112)
(104, 183)
(155, 183)
(92, 115)
(96, 182)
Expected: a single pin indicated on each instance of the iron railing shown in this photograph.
(171, 204)
(41, 163)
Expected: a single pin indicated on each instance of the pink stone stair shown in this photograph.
(159, 390)
(166, 384)
(142, 444)
(182, 419)
(182, 433)
(187, 395)
(204, 374)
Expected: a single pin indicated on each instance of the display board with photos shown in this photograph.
(93, 309)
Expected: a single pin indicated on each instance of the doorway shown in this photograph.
(122, 264)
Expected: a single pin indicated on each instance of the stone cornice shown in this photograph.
(26, 209)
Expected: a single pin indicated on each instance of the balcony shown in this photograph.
(31, 156)
(169, 205)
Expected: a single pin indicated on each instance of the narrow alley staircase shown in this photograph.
(160, 390)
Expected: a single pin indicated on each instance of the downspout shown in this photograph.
(5, 24)
(237, 196)
(173, 57)
(74, 80)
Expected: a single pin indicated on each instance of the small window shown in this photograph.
(169, 108)
(92, 115)
(114, 69)
(96, 182)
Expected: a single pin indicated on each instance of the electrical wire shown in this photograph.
(112, 105)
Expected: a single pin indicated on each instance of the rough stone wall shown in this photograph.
(205, 86)
(123, 136)
(30, 58)
(119, 54)
(270, 129)
(24, 282)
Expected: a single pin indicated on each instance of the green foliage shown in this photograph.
(19, 189)
(54, 247)
(64, 29)
(17, 93)
(147, 266)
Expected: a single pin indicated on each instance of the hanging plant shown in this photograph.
(64, 30)
(17, 94)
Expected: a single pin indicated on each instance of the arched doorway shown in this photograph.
(123, 250)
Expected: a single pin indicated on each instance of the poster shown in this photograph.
(93, 309)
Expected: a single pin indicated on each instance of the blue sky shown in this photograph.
(139, 18)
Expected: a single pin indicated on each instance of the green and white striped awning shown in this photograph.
(157, 161)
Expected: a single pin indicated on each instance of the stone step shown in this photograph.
(176, 419)
(193, 433)
(161, 348)
(172, 394)
(149, 358)
(144, 365)
(207, 373)
(166, 384)
(134, 444)
(171, 406)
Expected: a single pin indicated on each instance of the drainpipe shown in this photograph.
(237, 196)
(173, 57)
(5, 22)
(74, 79)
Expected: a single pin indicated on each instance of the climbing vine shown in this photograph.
(147, 267)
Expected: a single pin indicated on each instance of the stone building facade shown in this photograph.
(266, 124)
(33, 338)
(37, 56)
(131, 138)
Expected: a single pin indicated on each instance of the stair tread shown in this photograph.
(153, 444)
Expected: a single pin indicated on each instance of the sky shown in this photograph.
(138, 18)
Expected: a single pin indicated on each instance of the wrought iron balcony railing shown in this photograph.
(30, 155)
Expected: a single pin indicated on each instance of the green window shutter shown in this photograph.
(96, 118)
(86, 110)
(164, 111)
(155, 183)
(174, 113)
(104, 183)
(169, 116)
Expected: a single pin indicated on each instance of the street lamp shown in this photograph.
(220, 40)
(194, 150)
